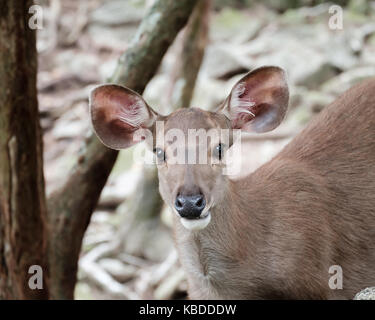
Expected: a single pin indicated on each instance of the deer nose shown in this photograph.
(190, 207)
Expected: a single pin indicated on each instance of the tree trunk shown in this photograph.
(23, 234)
(71, 206)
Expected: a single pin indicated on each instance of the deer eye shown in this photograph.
(218, 151)
(160, 154)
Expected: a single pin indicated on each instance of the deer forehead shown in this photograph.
(192, 118)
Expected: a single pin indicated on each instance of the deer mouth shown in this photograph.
(198, 223)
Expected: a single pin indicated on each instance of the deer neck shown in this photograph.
(227, 240)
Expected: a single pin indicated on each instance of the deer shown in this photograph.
(275, 233)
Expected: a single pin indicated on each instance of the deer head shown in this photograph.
(190, 145)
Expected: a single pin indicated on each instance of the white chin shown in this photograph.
(196, 224)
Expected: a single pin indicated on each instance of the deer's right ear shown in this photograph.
(117, 113)
(258, 102)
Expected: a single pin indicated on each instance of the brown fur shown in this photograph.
(275, 233)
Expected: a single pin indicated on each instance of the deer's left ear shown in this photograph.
(258, 102)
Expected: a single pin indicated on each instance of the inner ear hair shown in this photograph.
(258, 101)
(117, 113)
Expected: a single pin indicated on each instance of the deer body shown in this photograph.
(278, 231)
(275, 233)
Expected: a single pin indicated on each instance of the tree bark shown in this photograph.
(71, 206)
(23, 232)
(194, 42)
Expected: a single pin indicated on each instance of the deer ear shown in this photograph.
(116, 113)
(258, 102)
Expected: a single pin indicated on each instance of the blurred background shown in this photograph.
(128, 250)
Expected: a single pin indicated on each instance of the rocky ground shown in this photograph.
(78, 48)
(366, 294)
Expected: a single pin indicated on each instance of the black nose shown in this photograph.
(190, 207)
